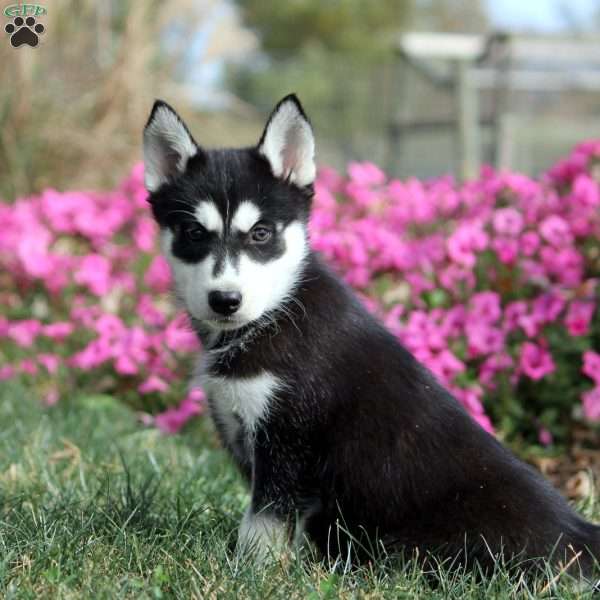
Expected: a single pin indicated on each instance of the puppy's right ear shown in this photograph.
(168, 145)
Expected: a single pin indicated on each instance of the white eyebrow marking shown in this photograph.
(209, 217)
(245, 216)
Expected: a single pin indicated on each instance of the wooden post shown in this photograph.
(505, 158)
(467, 105)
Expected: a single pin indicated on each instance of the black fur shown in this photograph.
(364, 436)
(368, 438)
(228, 177)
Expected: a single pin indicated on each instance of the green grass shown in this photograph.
(92, 505)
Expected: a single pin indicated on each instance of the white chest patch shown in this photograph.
(246, 399)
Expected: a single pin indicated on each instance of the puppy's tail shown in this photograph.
(589, 554)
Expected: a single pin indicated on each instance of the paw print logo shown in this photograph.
(24, 31)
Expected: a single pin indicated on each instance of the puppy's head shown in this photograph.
(233, 222)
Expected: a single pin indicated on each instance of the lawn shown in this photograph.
(94, 505)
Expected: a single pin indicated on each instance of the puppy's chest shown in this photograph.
(239, 405)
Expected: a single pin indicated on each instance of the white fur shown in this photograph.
(227, 280)
(266, 285)
(245, 217)
(248, 398)
(262, 536)
(289, 145)
(263, 286)
(209, 217)
(165, 134)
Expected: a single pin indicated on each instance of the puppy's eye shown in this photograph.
(260, 234)
(193, 231)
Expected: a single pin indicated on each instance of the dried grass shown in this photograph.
(72, 109)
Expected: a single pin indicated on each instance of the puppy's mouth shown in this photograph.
(227, 323)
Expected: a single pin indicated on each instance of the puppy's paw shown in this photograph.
(262, 538)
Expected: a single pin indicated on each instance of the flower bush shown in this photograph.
(491, 284)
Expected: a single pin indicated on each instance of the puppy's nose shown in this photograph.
(224, 303)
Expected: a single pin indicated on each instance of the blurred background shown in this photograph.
(421, 87)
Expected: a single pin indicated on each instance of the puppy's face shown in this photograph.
(233, 222)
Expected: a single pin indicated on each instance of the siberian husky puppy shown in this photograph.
(341, 434)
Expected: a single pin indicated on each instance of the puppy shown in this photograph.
(341, 434)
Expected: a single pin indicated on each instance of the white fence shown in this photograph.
(502, 91)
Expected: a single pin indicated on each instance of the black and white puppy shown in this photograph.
(342, 435)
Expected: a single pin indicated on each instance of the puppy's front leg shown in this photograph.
(262, 535)
(275, 515)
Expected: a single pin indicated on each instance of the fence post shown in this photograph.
(467, 104)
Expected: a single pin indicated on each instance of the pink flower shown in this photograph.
(28, 366)
(470, 400)
(392, 319)
(125, 365)
(58, 331)
(144, 234)
(535, 361)
(419, 252)
(547, 307)
(513, 313)
(508, 221)
(134, 186)
(585, 191)
(94, 272)
(7, 372)
(579, 317)
(24, 332)
(484, 422)
(362, 196)
(530, 324)
(446, 366)
(591, 404)
(158, 275)
(179, 336)
(556, 231)
(49, 361)
(545, 437)
(454, 276)
(366, 173)
(51, 397)
(109, 326)
(591, 365)
(485, 306)
(506, 249)
(93, 355)
(483, 339)
(149, 312)
(493, 365)
(33, 250)
(173, 419)
(153, 384)
(566, 265)
(464, 242)
(529, 243)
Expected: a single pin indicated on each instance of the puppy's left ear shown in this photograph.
(168, 145)
(288, 143)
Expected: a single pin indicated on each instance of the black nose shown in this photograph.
(224, 303)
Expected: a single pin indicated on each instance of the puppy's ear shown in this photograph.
(288, 143)
(168, 145)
